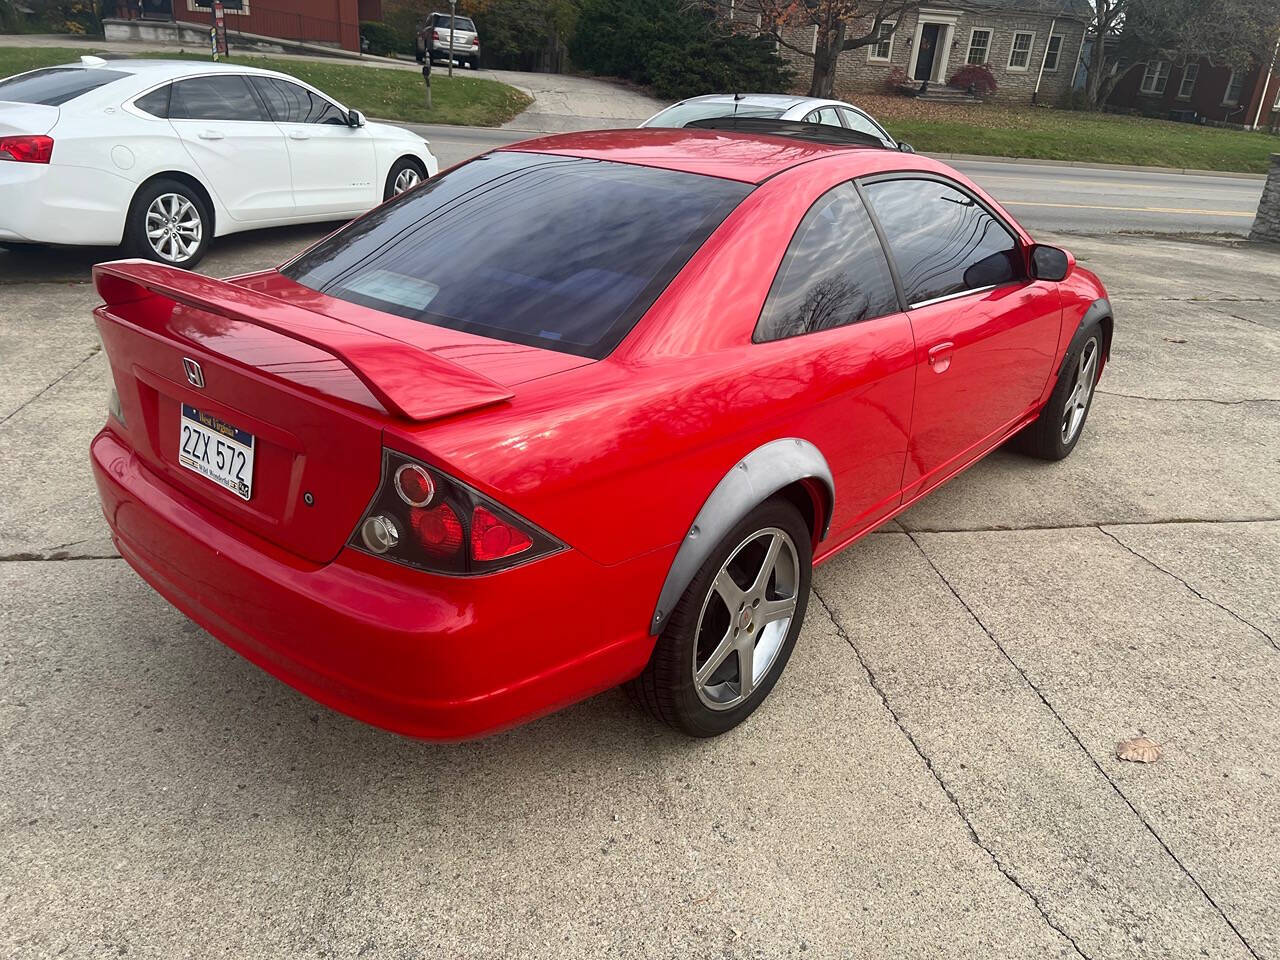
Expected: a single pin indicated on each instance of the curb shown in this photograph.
(1081, 164)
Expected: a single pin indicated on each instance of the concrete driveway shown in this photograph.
(933, 776)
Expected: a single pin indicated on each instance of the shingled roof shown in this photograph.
(1075, 9)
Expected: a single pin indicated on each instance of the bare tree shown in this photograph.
(870, 21)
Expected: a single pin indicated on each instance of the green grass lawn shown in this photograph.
(993, 129)
(385, 93)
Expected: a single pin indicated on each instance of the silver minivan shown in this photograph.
(436, 32)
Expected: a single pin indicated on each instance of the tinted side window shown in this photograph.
(214, 98)
(825, 115)
(56, 85)
(943, 240)
(156, 102)
(834, 273)
(856, 121)
(290, 103)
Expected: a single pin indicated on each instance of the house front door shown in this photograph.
(928, 50)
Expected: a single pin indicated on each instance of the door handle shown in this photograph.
(210, 135)
(940, 356)
(299, 135)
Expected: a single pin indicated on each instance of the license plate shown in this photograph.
(217, 450)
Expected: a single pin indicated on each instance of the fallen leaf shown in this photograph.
(1138, 750)
(1174, 340)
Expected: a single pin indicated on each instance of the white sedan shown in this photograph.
(775, 106)
(163, 155)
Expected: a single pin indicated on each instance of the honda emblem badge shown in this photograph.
(195, 376)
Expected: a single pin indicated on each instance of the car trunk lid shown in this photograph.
(307, 393)
(26, 119)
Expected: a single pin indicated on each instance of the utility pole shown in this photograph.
(453, 9)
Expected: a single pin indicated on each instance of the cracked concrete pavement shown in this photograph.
(933, 777)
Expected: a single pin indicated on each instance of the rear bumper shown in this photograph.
(50, 203)
(433, 657)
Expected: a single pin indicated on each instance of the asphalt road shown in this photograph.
(933, 777)
(1042, 196)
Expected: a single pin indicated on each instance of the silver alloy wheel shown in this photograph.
(745, 618)
(174, 227)
(406, 179)
(1081, 391)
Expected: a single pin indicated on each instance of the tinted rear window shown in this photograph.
(54, 86)
(683, 114)
(459, 23)
(557, 252)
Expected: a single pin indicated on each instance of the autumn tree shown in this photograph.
(840, 25)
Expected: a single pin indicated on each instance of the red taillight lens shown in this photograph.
(492, 538)
(475, 41)
(422, 517)
(435, 34)
(414, 485)
(439, 531)
(27, 149)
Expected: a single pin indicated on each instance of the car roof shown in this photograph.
(781, 100)
(749, 158)
(161, 69)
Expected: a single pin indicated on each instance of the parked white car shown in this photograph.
(775, 106)
(164, 155)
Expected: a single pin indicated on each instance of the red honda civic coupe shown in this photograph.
(579, 412)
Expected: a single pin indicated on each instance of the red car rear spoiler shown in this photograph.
(408, 381)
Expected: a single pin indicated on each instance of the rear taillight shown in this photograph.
(435, 34)
(26, 149)
(475, 41)
(424, 518)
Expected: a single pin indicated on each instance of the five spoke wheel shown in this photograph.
(1077, 404)
(745, 618)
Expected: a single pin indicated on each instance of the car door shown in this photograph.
(333, 164)
(833, 323)
(985, 334)
(236, 146)
(859, 121)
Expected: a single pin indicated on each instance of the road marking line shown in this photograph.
(1089, 206)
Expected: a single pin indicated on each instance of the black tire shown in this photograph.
(397, 168)
(135, 230)
(1047, 437)
(667, 687)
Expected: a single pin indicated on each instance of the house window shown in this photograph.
(979, 47)
(882, 49)
(1155, 77)
(1188, 84)
(1052, 54)
(1020, 52)
(1235, 86)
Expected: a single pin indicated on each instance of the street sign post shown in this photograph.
(218, 33)
(453, 9)
(426, 78)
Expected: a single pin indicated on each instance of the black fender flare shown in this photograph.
(752, 480)
(1099, 310)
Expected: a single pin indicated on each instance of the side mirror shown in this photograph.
(355, 118)
(906, 147)
(1049, 263)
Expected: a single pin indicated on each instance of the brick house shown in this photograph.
(1241, 98)
(333, 23)
(1030, 46)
